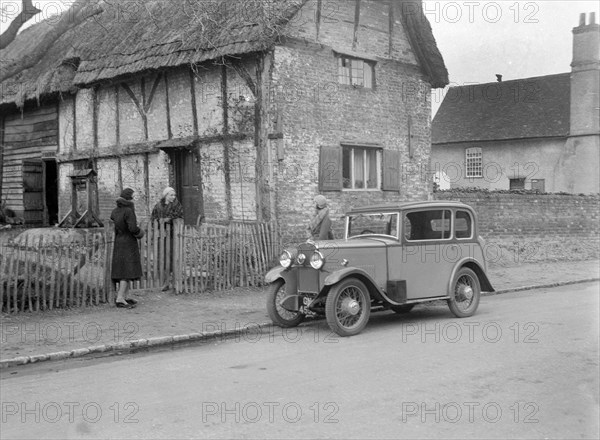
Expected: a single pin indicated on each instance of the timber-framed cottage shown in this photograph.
(249, 108)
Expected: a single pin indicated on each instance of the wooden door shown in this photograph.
(33, 192)
(189, 184)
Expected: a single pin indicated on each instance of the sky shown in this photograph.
(517, 39)
(477, 39)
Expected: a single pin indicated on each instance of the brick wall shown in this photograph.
(338, 113)
(530, 227)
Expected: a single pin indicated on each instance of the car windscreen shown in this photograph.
(373, 223)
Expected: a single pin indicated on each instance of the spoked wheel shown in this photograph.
(402, 309)
(279, 315)
(467, 292)
(348, 307)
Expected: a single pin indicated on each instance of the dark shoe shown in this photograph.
(131, 301)
(166, 287)
(124, 305)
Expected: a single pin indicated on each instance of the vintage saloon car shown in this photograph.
(391, 257)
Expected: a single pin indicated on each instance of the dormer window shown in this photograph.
(355, 71)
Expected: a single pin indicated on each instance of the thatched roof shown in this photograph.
(130, 37)
(423, 43)
(516, 109)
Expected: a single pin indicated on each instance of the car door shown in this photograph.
(422, 258)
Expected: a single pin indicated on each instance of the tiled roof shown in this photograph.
(516, 109)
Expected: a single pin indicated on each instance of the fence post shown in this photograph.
(176, 252)
(108, 247)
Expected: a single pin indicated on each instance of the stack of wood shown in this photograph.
(8, 217)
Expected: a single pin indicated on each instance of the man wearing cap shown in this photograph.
(320, 225)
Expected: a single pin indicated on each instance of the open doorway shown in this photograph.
(51, 192)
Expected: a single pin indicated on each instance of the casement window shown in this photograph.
(358, 168)
(474, 162)
(355, 72)
(361, 168)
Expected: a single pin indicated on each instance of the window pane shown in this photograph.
(463, 224)
(346, 170)
(343, 71)
(380, 223)
(427, 225)
(359, 167)
(368, 76)
(474, 162)
(371, 168)
(357, 72)
(517, 183)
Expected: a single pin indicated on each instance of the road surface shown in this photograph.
(526, 365)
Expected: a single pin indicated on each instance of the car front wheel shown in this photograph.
(348, 307)
(467, 292)
(279, 315)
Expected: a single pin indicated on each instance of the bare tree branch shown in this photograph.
(80, 12)
(27, 11)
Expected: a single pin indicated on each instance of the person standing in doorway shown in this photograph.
(126, 261)
(166, 210)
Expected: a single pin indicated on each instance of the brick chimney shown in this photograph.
(585, 77)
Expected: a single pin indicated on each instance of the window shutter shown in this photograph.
(330, 169)
(391, 170)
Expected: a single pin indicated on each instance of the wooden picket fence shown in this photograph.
(57, 272)
(48, 272)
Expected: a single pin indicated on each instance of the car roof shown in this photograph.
(409, 205)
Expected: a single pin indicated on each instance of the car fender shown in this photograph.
(474, 265)
(280, 272)
(339, 275)
(274, 274)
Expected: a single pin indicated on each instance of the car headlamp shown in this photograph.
(317, 260)
(285, 259)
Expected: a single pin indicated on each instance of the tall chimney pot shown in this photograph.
(592, 18)
(582, 19)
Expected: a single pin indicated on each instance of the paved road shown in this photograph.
(525, 366)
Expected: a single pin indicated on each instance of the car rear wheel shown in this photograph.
(279, 315)
(348, 307)
(402, 309)
(467, 292)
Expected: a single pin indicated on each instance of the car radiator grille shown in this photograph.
(308, 280)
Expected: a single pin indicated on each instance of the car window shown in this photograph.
(373, 223)
(463, 226)
(427, 225)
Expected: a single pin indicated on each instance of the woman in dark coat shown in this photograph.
(126, 262)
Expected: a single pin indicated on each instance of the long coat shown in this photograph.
(126, 262)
